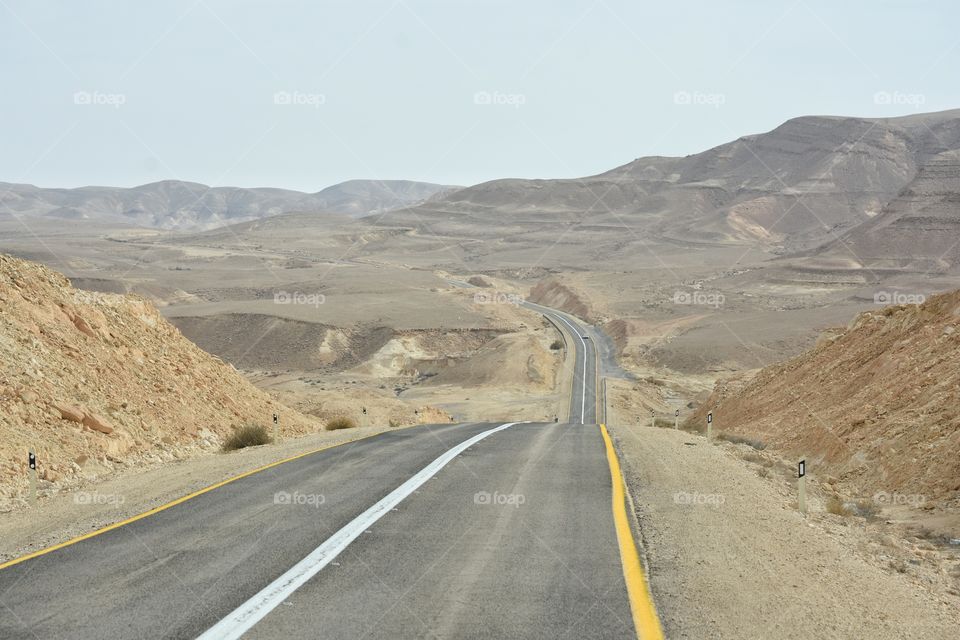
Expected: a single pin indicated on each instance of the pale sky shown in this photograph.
(302, 95)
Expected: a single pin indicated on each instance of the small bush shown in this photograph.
(865, 508)
(664, 423)
(556, 345)
(394, 423)
(249, 435)
(836, 506)
(340, 422)
(756, 444)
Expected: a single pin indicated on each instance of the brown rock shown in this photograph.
(98, 423)
(29, 397)
(81, 459)
(83, 327)
(69, 412)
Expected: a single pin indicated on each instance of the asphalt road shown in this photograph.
(436, 531)
(583, 397)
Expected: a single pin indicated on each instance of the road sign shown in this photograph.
(710, 425)
(710, 417)
(802, 486)
(33, 461)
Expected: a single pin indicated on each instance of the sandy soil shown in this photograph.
(68, 514)
(730, 556)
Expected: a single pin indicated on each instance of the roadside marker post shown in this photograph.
(676, 419)
(32, 462)
(276, 427)
(710, 426)
(653, 418)
(802, 486)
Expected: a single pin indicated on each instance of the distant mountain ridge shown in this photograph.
(178, 205)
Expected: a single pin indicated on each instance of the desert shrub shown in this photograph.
(340, 422)
(556, 345)
(865, 508)
(735, 439)
(249, 435)
(836, 506)
(394, 423)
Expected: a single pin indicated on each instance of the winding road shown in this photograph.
(480, 530)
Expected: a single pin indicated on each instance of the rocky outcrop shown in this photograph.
(92, 382)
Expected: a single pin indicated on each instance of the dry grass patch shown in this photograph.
(249, 435)
(340, 422)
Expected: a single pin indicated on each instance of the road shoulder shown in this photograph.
(729, 555)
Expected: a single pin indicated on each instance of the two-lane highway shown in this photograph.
(493, 530)
(583, 396)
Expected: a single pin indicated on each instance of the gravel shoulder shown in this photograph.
(68, 514)
(729, 556)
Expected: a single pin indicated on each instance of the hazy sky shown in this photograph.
(306, 94)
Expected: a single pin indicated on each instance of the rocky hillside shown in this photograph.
(789, 190)
(96, 381)
(874, 405)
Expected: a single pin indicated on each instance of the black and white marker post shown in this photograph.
(676, 419)
(710, 425)
(32, 462)
(653, 418)
(276, 427)
(802, 486)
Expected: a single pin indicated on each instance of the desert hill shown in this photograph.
(788, 190)
(873, 404)
(96, 381)
(174, 204)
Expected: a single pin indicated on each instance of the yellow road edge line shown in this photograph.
(189, 496)
(645, 619)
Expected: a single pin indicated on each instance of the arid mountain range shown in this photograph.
(174, 204)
